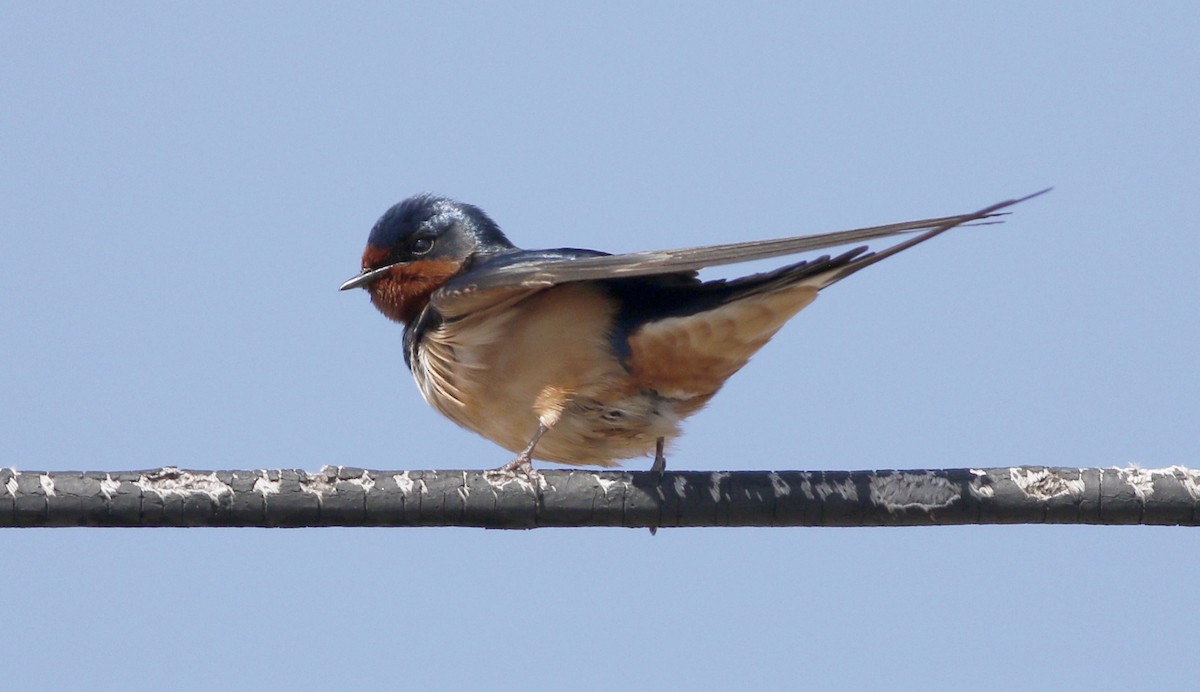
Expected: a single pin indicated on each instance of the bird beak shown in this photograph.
(367, 276)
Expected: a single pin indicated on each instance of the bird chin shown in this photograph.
(388, 296)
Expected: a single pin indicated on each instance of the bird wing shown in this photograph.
(525, 272)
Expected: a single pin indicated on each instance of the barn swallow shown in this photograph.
(583, 357)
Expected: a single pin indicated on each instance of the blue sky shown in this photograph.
(184, 186)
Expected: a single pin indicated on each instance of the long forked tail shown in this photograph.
(854, 261)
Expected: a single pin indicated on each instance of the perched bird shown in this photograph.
(578, 356)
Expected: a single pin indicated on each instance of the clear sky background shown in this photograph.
(184, 186)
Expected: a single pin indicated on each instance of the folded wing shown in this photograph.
(514, 276)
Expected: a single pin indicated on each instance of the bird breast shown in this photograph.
(542, 358)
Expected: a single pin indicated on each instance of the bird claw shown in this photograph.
(519, 469)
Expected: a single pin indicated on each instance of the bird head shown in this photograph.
(417, 246)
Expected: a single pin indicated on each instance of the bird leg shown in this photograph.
(657, 469)
(660, 461)
(523, 464)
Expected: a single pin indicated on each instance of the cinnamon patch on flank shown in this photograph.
(688, 358)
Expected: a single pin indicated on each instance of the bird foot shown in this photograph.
(519, 469)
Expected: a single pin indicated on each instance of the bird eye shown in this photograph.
(421, 245)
